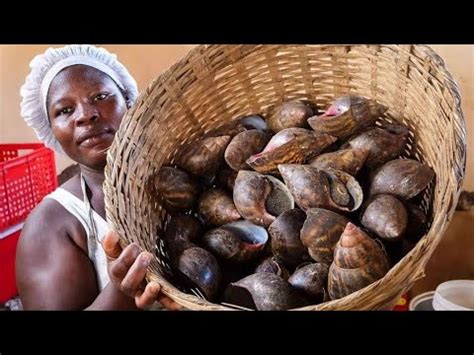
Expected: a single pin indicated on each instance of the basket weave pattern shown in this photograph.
(215, 84)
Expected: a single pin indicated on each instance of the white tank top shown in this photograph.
(94, 225)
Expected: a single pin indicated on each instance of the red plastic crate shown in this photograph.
(8, 289)
(27, 174)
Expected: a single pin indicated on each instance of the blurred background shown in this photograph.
(454, 257)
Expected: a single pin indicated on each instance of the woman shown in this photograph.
(74, 98)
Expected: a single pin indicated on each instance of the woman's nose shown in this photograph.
(86, 114)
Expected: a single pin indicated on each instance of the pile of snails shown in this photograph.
(293, 209)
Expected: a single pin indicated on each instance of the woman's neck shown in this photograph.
(94, 181)
(94, 178)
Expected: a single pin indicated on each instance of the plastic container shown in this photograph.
(27, 174)
(455, 295)
(8, 245)
(422, 302)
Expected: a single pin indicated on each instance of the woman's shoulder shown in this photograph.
(49, 217)
(50, 222)
(47, 212)
(73, 186)
(51, 209)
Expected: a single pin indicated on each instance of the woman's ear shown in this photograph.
(128, 102)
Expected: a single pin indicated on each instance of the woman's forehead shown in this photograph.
(78, 78)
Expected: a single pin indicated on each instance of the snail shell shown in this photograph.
(403, 178)
(417, 222)
(263, 291)
(236, 242)
(321, 232)
(261, 198)
(177, 188)
(203, 157)
(243, 146)
(273, 266)
(290, 146)
(386, 216)
(383, 145)
(289, 114)
(200, 269)
(310, 280)
(347, 116)
(358, 261)
(285, 238)
(180, 233)
(216, 207)
(329, 189)
(348, 160)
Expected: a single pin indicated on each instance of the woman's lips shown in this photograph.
(93, 140)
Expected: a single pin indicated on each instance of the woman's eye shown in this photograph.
(64, 110)
(100, 97)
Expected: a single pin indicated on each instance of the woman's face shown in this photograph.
(85, 108)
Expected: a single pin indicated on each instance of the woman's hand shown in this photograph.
(127, 271)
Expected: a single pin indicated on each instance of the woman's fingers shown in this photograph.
(118, 268)
(168, 303)
(127, 270)
(135, 276)
(145, 299)
(111, 245)
(152, 293)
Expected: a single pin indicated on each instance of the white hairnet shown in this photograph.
(46, 66)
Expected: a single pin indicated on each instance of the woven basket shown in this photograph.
(215, 84)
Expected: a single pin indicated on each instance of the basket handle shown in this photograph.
(466, 200)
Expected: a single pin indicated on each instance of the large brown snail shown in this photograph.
(311, 280)
(386, 216)
(289, 114)
(261, 198)
(201, 269)
(358, 261)
(236, 242)
(177, 188)
(417, 222)
(285, 238)
(263, 291)
(273, 266)
(321, 232)
(347, 116)
(383, 144)
(182, 231)
(289, 146)
(404, 178)
(243, 146)
(329, 189)
(203, 157)
(216, 207)
(348, 160)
